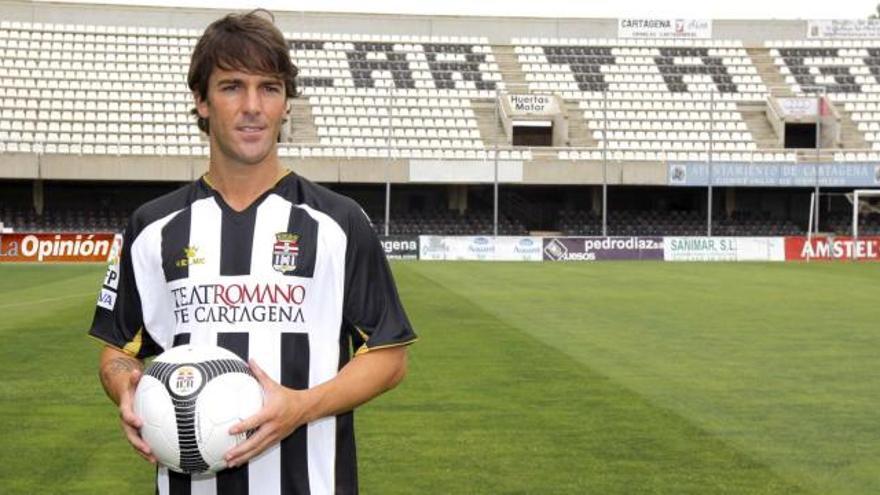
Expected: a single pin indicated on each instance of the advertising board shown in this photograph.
(474, 248)
(724, 248)
(602, 248)
(832, 248)
(51, 247)
(400, 247)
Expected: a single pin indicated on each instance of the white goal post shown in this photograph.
(857, 194)
(859, 206)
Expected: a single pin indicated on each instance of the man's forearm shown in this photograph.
(115, 371)
(285, 409)
(362, 379)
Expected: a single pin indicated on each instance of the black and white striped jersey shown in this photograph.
(295, 281)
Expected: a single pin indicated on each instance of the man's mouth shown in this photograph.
(250, 128)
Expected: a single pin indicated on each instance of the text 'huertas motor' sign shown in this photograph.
(523, 104)
(64, 247)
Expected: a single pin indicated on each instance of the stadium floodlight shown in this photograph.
(604, 161)
(497, 125)
(820, 92)
(709, 162)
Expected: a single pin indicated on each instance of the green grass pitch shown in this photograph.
(607, 378)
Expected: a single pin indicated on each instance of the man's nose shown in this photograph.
(252, 102)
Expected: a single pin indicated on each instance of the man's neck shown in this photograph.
(239, 184)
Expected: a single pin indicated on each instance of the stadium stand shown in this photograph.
(665, 99)
(86, 89)
(675, 222)
(845, 70)
(445, 222)
(85, 96)
(24, 219)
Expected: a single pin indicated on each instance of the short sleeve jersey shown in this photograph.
(295, 281)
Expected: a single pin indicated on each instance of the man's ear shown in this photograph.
(201, 105)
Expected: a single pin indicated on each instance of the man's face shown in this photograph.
(245, 113)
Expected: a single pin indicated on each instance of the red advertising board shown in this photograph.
(51, 247)
(832, 248)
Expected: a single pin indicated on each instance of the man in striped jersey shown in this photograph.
(260, 261)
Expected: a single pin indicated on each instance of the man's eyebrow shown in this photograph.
(238, 80)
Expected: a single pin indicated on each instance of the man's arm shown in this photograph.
(284, 410)
(120, 374)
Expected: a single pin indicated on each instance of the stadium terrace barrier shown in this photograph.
(602, 248)
(482, 248)
(61, 247)
(724, 249)
(832, 248)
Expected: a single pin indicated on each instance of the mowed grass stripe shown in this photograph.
(777, 360)
(27, 280)
(61, 434)
(490, 409)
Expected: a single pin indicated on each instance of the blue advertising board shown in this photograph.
(775, 174)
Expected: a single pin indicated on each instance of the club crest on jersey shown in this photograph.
(191, 257)
(284, 252)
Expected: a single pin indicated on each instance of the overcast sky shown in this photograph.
(707, 9)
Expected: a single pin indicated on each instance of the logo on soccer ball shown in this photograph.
(284, 252)
(185, 381)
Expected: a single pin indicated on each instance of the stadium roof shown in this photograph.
(693, 9)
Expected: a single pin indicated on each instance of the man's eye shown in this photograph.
(231, 87)
(273, 89)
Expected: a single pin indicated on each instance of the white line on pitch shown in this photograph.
(40, 301)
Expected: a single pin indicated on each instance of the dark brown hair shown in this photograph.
(246, 42)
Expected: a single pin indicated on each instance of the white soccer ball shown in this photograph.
(188, 398)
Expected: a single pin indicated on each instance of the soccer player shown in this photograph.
(258, 260)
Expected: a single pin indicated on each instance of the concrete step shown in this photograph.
(304, 130)
(511, 71)
(769, 72)
(850, 135)
(756, 120)
(579, 135)
(491, 131)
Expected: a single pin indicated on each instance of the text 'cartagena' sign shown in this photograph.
(55, 247)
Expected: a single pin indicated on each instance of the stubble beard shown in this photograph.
(231, 154)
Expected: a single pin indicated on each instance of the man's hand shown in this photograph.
(120, 374)
(282, 413)
(131, 423)
(284, 409)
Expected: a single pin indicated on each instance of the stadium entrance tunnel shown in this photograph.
(800, 135)
(532, 133)
(533, 119)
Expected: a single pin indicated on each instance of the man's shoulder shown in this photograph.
(164, 205)
(340, 208)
